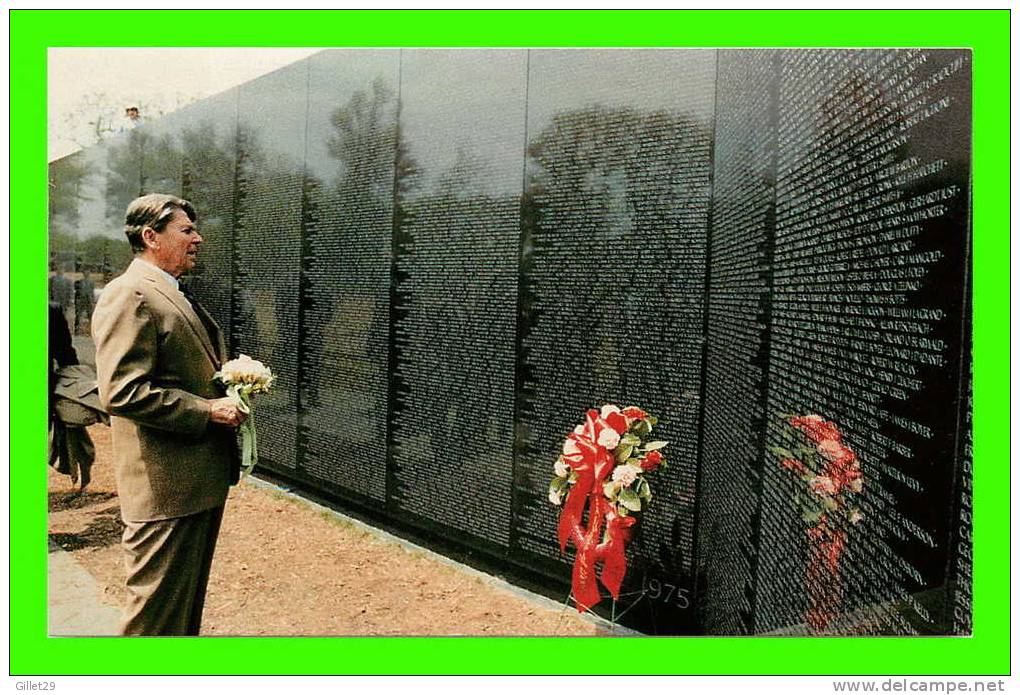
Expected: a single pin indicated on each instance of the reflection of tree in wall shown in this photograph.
(98, 251)
(138, 163)
(615, 218)
(245, 329)
(207, 155)
(124, 180)
(266, 272)
(366, 131)
(207, 180)
(68, 180)
(624, 195)
(460, 262)
(349, 238)
(162, 163)
(65, 193)
(268, 223)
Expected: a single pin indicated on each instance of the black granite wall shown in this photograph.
(448, 255)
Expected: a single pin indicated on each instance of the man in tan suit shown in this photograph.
(173, 431)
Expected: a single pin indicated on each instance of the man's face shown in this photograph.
(175, 249)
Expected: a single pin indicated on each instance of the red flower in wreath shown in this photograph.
(634, 413)
(651, 461)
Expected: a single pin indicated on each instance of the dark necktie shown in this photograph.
(203, 316)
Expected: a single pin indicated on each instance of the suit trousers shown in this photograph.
(168, 564)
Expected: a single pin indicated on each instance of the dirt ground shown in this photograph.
(285, 568)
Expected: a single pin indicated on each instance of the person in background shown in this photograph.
(71, 451)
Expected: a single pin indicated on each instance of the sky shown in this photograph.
(129, 76)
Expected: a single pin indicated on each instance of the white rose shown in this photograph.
(555, 498)
(609, 438)
(561, 468)
(626, 475)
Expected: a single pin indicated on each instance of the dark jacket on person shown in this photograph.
(73, 404)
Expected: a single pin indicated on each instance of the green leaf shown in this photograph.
(644, 490)
(609, 490)
(631, 439)
(623, 452)
(630, 499)
(557, 484)
(811, 517)
(653, 420)
(634, 462)
(781, 452)
(654, 446)
(643, 428)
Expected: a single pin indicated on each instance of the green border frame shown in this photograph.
(32, 32)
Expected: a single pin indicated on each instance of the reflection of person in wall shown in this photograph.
(62, 294)
(173, 431)
(84, 293)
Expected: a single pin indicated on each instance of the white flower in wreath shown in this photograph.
(561, 468)
(608, 410)
(626, 475)
(609, 438)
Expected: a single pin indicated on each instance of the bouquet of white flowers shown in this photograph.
(243, 377)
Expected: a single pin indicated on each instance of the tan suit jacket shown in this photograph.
(155, 362)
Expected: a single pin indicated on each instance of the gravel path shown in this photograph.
(286, 567)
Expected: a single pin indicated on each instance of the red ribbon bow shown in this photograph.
(593, 462)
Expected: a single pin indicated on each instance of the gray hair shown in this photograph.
(153, 210)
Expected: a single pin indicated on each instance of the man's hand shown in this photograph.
(223, 411)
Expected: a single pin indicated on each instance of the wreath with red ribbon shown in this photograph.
(602, 472)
